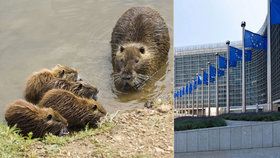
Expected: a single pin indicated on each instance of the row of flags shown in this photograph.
(251, 41)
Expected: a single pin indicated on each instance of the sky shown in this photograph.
(214, 21)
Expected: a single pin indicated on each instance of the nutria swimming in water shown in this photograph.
(79, 88)
(30, 118)
(37, 81)
(76, 110)
(140, 43)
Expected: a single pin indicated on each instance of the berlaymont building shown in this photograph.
(190, 60)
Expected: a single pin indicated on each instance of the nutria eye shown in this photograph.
(136, 60)
(94, 107)
(61, 74)
(121, 48)
(142, 50)
(80, 86)
(49, 117)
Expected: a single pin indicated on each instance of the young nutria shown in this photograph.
(76, 110)
(36, 82)
(140, 43)
(30, 118)
(79, 88)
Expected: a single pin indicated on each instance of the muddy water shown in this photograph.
(40, 34)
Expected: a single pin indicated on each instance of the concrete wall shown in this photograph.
(227, 138)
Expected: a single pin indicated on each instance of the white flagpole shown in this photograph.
(269, 95)
(243, 24)
(196, 95)
(208, 88)
(202, 91)
(217, 85)
(228, 106)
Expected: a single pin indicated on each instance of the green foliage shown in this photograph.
(188, 123)
(261, 116)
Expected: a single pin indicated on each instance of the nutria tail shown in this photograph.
(30, 118)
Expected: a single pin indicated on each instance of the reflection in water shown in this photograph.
(40, 34)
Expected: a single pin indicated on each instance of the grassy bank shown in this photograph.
(12, 144)
(261, 116)
(131, 133)
(188, 123)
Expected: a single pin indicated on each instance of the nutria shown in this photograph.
(76, 110)
(140, 44)
(30, 118)
(36, 82)
(79, 88)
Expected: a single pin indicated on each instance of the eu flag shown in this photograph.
(205, 78)
(253, 40)
(274, 11)
(222, 62)
(221, 72)
(187, 89)
(235, 55)
(190, 89)
(199, 80)
(183, 91)
(194, 84)
(175, 95)
(212, 73)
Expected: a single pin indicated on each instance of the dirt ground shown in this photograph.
(135, 133)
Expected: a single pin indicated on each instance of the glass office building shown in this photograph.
(190, 60)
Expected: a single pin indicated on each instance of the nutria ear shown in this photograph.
(94, 107)
(49, 117)
(121, 48)
(142, 50)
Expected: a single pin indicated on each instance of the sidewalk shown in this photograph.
(273, 152)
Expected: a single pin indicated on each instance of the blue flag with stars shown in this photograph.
(194, 84)
(205, 78)
(190, 89)
(255, 41)
(183, 91)
(199, 80)
(187, 89)
(274, 11)
(222, 62)
(235, 55)
(212, 73)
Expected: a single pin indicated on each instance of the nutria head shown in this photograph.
(94, 111)
(65, 72)
(84, 89)
(40, 121)
(132, 66)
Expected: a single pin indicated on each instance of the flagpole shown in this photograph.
(228, 106)
(208, 88)
(196, 95)
(243, 24)
(193, 101)
(217, 85)
(269, 98)
(202, 92)
(189, 110)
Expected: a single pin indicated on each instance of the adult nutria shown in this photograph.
(79, 88)
(30, 118)
(76, 110)
(140, 43)
(36, 82)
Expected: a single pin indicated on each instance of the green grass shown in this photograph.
(261, 116)
(12, 144)
(188, 123)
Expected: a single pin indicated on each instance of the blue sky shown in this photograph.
(211, 21)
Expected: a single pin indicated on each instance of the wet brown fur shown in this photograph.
(30, 118)
(36, 82)
(139, 28)
(77, 111)
(79, 88)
